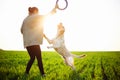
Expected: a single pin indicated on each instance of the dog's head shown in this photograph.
(61, 28)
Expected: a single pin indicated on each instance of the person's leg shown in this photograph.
(30, 50)
(39, 58)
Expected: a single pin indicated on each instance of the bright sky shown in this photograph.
(91, 25)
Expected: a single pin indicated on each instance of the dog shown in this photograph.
(58, 44)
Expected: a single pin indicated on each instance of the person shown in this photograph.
(32, 31)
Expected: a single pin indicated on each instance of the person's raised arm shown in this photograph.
(53, 11)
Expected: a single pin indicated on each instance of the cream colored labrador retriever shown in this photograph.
(59, 45)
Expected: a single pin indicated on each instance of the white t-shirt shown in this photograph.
(32, 30)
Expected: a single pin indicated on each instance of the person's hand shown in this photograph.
(44, 35)
(54, 10)
(48, 47)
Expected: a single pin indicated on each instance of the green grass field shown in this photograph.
(95, 66)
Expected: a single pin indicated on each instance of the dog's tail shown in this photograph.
(78, 56)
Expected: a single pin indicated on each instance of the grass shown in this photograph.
(95, 66)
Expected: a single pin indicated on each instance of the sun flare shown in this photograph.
(50, 25)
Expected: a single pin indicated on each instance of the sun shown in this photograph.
(50, 25)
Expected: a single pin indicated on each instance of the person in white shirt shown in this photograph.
(32, 30)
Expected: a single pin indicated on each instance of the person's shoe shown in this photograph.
(25, 76)
(43, 75)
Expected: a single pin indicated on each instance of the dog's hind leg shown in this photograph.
(70, 62)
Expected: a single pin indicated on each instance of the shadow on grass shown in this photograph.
(14, 76)
(8, 76)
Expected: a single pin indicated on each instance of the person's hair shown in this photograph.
(32, 9)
